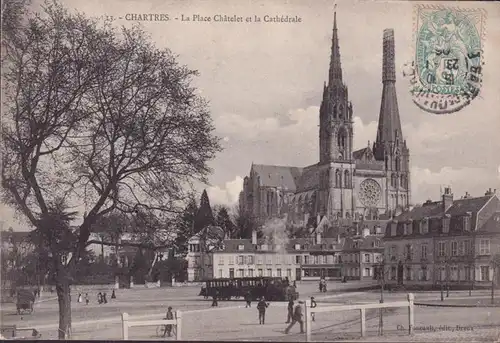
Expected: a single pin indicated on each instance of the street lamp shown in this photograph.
(381, 278)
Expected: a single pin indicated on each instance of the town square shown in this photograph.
(285, 171)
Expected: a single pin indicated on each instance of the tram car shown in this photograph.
(271, 288)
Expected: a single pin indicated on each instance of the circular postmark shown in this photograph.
(448, 59)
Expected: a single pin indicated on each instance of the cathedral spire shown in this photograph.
(389, 123)
(335, 74)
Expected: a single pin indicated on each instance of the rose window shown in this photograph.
(369, 193)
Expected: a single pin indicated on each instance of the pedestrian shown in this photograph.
(290, 312)
(113, 295)
(86, 298)
(324, 286)
(214, 300)
(294, 284)
(261, 307)
(79, 297)
(104, 298)
(321, 285)
(168, 327)
(99, 298)
(313, 305)
(297, 317)
(248, 299)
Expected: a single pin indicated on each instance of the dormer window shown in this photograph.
(466, 221)
(446, 223)
(424, 226)
(241, 247)
(394, 226)
(277, 247)
(263, 247)
(409, 227)
(297, 246)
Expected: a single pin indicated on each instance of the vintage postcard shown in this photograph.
(282, 170)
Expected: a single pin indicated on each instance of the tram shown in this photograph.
(272, 288)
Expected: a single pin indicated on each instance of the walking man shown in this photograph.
(214, 300)
(297, 317)
(261, 307)
(313, 305)
(248, 299)
(290, 312)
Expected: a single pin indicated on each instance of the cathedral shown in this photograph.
(370, 183)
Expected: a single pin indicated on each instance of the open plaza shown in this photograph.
(232, 321)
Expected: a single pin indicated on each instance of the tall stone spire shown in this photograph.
(335, 74)
(389, 124)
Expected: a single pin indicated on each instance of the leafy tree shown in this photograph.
(100, 116)
(185, 226)
(204, 217)
(245, 224)
(495, 264)
(223, 220)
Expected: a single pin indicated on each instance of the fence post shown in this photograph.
(411, 317)
(178, 324)
(124, 326)
(363, 321)
(308, 322)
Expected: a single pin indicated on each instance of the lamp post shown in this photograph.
(381, 278)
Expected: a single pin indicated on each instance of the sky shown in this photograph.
(264, 84)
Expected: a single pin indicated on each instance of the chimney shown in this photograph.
(254, 237)
(318, 237)
(489, 192)
(447, 199)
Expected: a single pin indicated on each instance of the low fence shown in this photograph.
(309, 312)
(177, 322)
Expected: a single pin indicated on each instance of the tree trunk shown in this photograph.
(64, 299)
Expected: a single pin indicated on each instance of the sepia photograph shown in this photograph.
(217, 170)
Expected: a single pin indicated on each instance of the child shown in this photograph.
(313, 305)
(168, 327)
(261, 307)
(86, 298)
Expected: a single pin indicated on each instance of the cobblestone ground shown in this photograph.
(232, 321)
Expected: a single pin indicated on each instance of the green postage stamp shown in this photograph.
(448, 60)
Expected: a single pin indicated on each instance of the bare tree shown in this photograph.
(97, 118)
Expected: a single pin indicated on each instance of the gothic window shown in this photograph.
(398, 163)
(402, 181)
(341, 112)
(347, 183)
(341, 139)
(386, 163)
(338, 179)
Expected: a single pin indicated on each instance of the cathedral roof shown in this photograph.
(278, 176)
(309, 179)
(363, 154)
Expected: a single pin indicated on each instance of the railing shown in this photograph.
(362, 311)
(127, 323)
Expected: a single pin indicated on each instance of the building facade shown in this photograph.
(345, 183)
(297, 259)
(444, 242)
